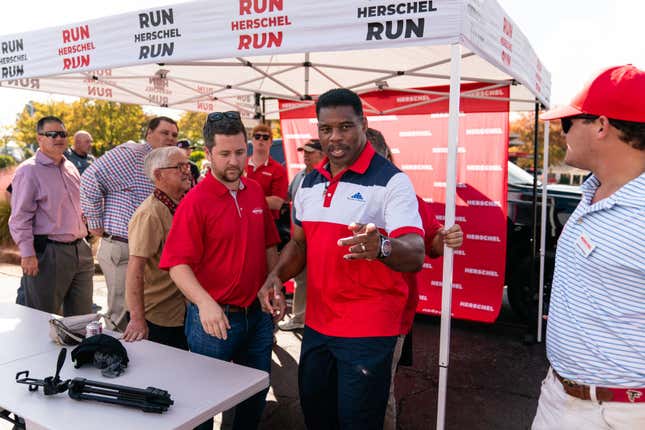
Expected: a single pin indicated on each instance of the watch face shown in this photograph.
(386, 247)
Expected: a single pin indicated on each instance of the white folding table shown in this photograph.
(23, 332)
(200, 386)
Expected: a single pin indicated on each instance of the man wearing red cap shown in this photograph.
(595, 336)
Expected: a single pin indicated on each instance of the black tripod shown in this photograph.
(150, 399)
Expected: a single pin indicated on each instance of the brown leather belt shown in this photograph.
(603, 394)
(233, 308)
(116, 238)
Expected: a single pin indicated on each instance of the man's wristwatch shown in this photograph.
(385, 247)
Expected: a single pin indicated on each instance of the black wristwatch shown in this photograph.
(385, 247)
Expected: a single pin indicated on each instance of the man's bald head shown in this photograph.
(82, 142)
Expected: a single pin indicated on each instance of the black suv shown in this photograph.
(561, 202)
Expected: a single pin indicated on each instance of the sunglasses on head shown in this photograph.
(218, 116)
(260, 136)
(53, 134)
(567, 122)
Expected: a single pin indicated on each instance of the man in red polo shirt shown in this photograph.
(270, 174)
(218, 251)
(357, 226)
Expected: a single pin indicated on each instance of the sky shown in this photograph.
(573, 38)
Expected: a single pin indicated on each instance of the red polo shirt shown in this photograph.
(272, 176)
(431, 227)
(223, 239)
(355, 298)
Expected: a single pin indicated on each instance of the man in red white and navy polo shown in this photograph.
(219, 248)
(595, 338)
(357, 227)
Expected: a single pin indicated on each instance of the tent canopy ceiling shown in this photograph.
(202, 62)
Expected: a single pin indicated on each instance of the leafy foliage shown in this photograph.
(25, 128)
(5, 212)
(524, 127)
(109, 123)
(191, 126)
(6, 161)
(196, 156)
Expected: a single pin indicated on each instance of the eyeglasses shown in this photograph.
(218, 116)
(53, 134)
(567, 122)
(178, 166)
(260, 136)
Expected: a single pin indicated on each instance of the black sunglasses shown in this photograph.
(218, 116)
(53, 134)
(259, 136)
(567, 122)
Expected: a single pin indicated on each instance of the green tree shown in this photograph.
(196, 156)
(191, 126)
(6, 161)
(6, 134)
(25, 127)
(524, 127)
(109, 123)
(5, 212)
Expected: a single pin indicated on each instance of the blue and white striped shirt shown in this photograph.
(596, 327)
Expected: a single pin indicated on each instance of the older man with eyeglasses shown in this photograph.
(157, 308)
(111, 190)
(47, 225)
(262, 168)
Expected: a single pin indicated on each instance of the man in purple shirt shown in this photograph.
(47, 224)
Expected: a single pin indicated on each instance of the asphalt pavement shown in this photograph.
(493, 379)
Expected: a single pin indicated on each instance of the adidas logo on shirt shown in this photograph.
(358, 197)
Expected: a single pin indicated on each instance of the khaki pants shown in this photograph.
(390, 411)
(113, 259)
(558, 410)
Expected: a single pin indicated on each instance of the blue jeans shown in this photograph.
(249, 343)
(344, 382)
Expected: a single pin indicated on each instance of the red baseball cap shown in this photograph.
(617, 93)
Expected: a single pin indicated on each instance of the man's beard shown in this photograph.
(229, 175)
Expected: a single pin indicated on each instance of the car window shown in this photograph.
(519, 176)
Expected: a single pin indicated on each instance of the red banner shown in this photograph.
(417, 136)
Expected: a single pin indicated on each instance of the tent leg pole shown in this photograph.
(529, 335)
(264, 108)
(545, 180)
(451, 188)
(259, 112)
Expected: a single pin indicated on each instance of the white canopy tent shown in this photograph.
(215, 55)
(189, 55)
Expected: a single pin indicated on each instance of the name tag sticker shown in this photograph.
(585, 246)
